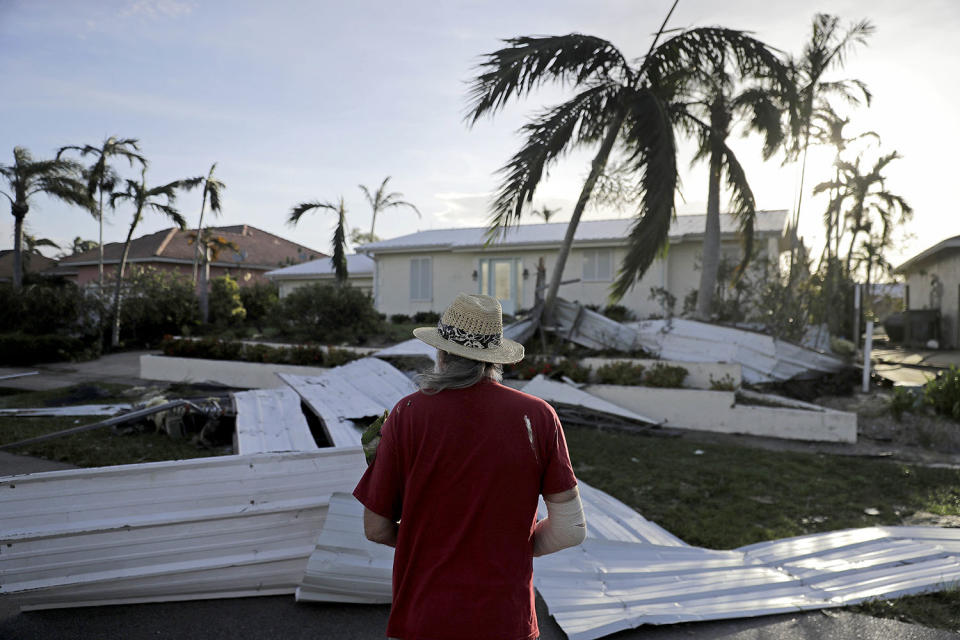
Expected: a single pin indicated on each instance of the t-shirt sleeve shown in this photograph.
(381, 487)
(558, 473)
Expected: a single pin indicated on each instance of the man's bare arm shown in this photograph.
(564, 525)
(379, 529)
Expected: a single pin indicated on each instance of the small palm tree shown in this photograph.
(160, 199)
(381, 201)
(26, 178)
(210, 247)
(619, 104)
(102, 178)
(339, 258)
(545, 212)
(79, 245)
(212, 188)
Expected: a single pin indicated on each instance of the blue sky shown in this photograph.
(304, 100)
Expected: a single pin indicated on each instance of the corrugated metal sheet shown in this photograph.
(563, 393)
(357, 264)
(77, 410)
(593, 330)
(359, 389)
(271, 420)
(186, 529)
(411, 347)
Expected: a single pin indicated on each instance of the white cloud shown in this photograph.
(156, 9)
(462, 209)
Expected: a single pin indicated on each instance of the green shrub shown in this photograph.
(943, 393)
(24, 349)
(723, 383)
(904, 399)
(399, 318)
(621, 372)
(336, 357)
(426, 317)
(260, 301)
(214, 349)
(665, 375)
(324, 313)
(306, 355)
(533, 366)
(226, 305)
(44, 308)
(157, 303)
(571, 368)
(618, 312)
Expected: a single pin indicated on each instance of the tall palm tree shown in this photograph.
(102, 178)
(713, 101)
(339, 258)
(620, 104)
(211, 246)
(826, 50)
(159, 199)
(545, 212)
(212, 188)
(26, 178)
(381, 200)
(79, 245)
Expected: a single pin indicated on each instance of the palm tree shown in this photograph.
(619, 104)
(545, 212)
(102, 178)
(339, 258)
(79, 245)
(826, 49)
(212, 246)
(26, 178)
(160, 199)
(212, 188)
(31, 246)
(709, 108)
(380, 201)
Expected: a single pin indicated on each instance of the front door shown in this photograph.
(498, 278)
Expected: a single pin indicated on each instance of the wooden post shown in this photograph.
(867, 347)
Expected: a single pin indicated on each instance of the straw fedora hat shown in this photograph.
(472, 327)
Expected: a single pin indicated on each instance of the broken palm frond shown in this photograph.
(370, 438)
(211, 409)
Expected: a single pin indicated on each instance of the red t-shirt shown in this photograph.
(463, 469)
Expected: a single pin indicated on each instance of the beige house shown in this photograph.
(359, 274)
(932, 279)
(423, 271)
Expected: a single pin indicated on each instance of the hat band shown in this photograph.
(467, 338)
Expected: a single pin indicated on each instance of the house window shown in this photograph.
(421, 280)
(597, 265)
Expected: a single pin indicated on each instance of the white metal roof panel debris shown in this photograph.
(614, 231)
(76, 410)
(206, 528)
(359, 389)
(564, 393)
(412, 347)
(357, 265)
(271, 420)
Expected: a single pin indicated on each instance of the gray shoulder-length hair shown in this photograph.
(456, 372)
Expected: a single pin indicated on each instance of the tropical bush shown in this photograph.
(533, 366)
(943, 393)
(24, 348)
(621, 372)
(399, 318)
(325, 313)
(260, 301)
(157, 303)
(665, 375)
(426, 317)
(226, 305)
(214, 349)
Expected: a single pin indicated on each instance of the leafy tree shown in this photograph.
(713, 100)
(226, 305)
(212, 188)
(618, 105)
(79, 245)
(156, 303)
(26, 178)
(328, 314)
(381, 200)
(260, 299)
(362, 237)
(339, 258)
(159, 199)
(102, 179)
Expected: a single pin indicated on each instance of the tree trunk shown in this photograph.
(597, 167)
(18, 247)
(115, 338)
(100, 245)
(373, 221)
(204, 288)
(710, 254)
(196, 254)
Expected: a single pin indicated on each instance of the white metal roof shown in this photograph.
(613, 231)
(357, 265)
(271, 420)
(943, 245)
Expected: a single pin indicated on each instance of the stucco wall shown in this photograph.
(946, 266)
(452, 273)
(365, 284)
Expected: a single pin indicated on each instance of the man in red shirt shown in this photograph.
(455, 485)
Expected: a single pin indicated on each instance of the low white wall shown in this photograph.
(717, 411)
(698, 373)
(246, 375)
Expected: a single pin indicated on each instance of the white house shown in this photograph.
(423, 271)
(359, 274)
(932, 279)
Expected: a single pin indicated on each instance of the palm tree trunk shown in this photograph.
(115, 338)
(204, 287)
(196, 255)
(597, 167)
(710, 254)
(100, 245)
(373, 221)
(17, 250)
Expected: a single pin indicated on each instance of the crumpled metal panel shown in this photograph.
(77, 410)
(564, 393)
(186, 529)
(359, 389)
(271, 420)
(409, 348)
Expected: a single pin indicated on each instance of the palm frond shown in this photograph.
(297, 212)
(743, 205)
(170, 211)
(766, 117)
(528, 62)
(649, 135)
(580, 120)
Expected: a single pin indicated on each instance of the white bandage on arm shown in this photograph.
(563, 527)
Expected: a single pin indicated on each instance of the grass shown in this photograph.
(96, 448)
(728, 496)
